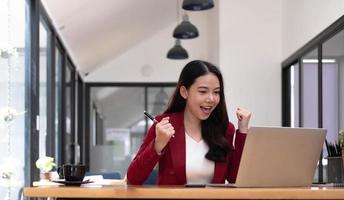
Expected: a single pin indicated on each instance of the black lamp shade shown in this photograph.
(196, 5)
(177, 52)
(185, 30)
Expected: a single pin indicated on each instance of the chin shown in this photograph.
(204, 117)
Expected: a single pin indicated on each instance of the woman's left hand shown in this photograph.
(244, 117)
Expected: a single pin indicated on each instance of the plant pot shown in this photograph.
(45, 176)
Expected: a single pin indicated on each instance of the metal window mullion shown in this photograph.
(81, 133)
(31, 90)
(300, 92)
(62, 109)
(286, 94)
(72, 113)
(320, 106)
(87, 107)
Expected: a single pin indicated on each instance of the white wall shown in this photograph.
(250, 57)
(214, 34)
(147, 61)
(247, 39)
(304, 19)
(255, 37)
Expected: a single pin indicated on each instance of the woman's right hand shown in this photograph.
(164, 131)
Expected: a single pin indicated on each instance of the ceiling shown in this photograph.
(95, 32)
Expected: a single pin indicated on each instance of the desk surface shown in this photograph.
(177, 192)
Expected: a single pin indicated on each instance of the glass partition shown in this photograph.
(58, 102)
(333, 75)
(321, 93)
(67, 134)
(309, 97)
(43, 53)
(295, 95)
(118, 125)
(309, 94)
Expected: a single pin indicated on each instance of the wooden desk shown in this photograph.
(177, 192)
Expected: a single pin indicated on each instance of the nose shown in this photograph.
(210, 98)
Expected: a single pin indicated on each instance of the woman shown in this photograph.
(193, 140)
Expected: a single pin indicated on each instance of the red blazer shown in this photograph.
(172, 160)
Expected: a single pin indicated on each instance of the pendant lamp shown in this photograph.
(185, 30)
(196, 5)
(177, 52)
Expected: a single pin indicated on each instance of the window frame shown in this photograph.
(35, 13)
(89, 86)
(315, 43)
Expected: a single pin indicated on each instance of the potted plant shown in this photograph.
(335, 158)
(341, 143)
(45, 165)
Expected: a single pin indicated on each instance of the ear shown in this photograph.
(183, 92)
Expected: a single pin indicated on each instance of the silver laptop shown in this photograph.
(280, 157)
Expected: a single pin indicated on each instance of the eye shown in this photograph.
(202, 91)
(217, 92)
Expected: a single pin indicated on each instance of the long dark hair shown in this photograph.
(215, 127)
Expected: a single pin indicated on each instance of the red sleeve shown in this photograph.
(145, 160)
(234, 158)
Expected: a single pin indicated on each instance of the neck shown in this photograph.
(192, 125)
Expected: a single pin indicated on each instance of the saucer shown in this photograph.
(72, 183)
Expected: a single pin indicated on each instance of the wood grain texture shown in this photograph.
(177, 192)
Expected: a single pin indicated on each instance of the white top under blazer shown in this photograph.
(199, 170)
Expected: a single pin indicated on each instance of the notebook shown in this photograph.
(279, 157)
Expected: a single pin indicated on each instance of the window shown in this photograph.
(118, 129)
(50, 93)
(313, 93)
(58, 102)
(332, 87)
(43, 57)
(309, 90)
(12, 87)
(68, 147)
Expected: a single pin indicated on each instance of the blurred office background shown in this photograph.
(77, 75)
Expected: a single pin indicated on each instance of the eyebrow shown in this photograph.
(204, 87)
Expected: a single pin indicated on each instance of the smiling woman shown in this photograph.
(196, 118)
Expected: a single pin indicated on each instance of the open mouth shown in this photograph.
(206, 109)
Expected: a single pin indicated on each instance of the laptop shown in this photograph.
(279, 157)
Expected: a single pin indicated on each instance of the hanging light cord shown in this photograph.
(177, 9)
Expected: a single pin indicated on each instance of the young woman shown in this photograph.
(193, 140)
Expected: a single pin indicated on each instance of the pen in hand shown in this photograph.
(152, 118)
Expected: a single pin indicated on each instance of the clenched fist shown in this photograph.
(244, 117)
(164, 131)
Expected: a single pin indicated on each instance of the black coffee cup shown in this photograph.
(72, 172)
